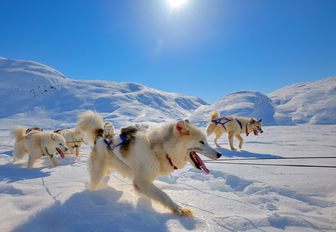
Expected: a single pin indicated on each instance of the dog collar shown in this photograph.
(171, 162)
(50, 155)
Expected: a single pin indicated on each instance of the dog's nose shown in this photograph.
(261, 131)
(218, 155)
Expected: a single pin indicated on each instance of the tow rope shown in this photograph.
(228, 161)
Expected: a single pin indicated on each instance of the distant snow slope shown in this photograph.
(311, 102)
(244, 103)
(36, 94)
(32, 90)
(305, 103)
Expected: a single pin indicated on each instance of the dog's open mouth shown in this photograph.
(60, 152)
(198, 162)
(255, 132)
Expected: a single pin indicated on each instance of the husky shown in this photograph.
(145, 153)
(37, 144)
(233, 126)
(73, 139)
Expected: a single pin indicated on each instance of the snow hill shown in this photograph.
(305, 103)
(244, 103)
(311, 102)
(36, 94)
(31, 90)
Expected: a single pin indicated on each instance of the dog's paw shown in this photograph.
(183, 212)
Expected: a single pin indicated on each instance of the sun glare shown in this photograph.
(175, 4)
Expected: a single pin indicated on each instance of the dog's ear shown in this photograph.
(181, 127)
(53, 136)
(252, 120)
(260, 120)
(186, 120)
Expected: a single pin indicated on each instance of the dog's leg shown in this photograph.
(216, 139)
(54, 161)
(218, 135)
(230, 141)
(150, 190)
(32, 158)
(78, 149)
(240, 139)
(96, 169)
(71, 148)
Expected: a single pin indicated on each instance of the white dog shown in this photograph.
(73, 139)
(37, 144)
(143, 154)
(233, 127)
(109, 130)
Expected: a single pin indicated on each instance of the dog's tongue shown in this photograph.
(201, 163)
(255, 132)
(60, 152)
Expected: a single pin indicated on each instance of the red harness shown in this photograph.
(171, 162)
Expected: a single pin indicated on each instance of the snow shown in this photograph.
(230, 198)
(311, 102)
(43, 92)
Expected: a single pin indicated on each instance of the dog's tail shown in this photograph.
(19, 150)
(211, 127)
(214, 115)
(91, 125)
(19, 133)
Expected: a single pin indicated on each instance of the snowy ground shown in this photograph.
(230, 198)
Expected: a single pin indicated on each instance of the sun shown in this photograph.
(176, 4)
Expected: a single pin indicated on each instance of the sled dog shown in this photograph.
(37, 144)
(145, 153)
(73, 139)
(234, 127)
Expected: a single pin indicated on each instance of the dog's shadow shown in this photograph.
(16, 172)
(101, 211)
(244, 154)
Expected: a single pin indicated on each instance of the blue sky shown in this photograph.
(207, 48)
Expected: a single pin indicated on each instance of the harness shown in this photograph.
(218, 121)
(241, 127)
(109, 143)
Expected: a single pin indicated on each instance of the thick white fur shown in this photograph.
(88, 123)
(35, 143)
(73, 139)
(232, 128)
(146, 156)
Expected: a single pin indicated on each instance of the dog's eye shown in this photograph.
(201, 142)
(60, 144)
